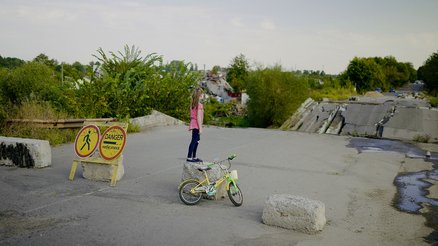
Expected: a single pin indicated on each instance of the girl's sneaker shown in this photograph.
(196, 160)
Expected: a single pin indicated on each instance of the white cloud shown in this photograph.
(206, 33)
(267, 24)
(237, 22)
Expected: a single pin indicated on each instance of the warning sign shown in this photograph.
(112, 143)
(87, 140)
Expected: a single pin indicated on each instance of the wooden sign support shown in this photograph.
(114, 161)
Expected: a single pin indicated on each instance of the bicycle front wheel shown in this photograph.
(235, 195)
(185, 194)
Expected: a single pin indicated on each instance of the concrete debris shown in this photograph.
(294, 212)
(155, 119)
(379, 117)
(24, 152)
(216, 85)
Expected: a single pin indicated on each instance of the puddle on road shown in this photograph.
(412, 187)
(381, 145)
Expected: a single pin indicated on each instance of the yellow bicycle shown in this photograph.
(191, 190)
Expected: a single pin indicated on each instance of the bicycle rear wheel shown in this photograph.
(186, 195)
(235, 195)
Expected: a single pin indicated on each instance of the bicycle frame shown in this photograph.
(226, 177)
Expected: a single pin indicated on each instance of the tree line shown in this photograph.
(127, 84)
(275, 93)
(122, 85)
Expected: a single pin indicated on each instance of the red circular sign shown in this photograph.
(112, 143)
(86, 141)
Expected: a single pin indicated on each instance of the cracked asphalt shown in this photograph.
(42, 207)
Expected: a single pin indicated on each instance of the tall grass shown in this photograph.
(31, 109)
(433, 100)
(332, 93)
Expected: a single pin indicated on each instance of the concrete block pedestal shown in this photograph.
(190, 171)
(102, 172)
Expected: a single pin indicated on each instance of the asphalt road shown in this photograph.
(42, 207)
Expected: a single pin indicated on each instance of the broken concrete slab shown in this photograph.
(362, 119)
(381, 117)
(299, 115)
(409, 123)
(155, 119)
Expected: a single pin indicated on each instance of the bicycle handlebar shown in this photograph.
(231, 157)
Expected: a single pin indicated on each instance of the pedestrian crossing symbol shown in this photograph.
(87, 140)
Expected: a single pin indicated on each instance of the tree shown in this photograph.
(370, 73)
(44, 59)
(170, 91)
(122, 89)
(429, 73)
(238, 72)
(216, 69)
(396, 73)
(365, 74)
(119, 64)
(274, 96)
(10, 62)
(131, 85)
(71, 72)
(31, 81)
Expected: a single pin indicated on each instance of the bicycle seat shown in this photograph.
(204, 168)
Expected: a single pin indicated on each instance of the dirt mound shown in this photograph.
(373, 94)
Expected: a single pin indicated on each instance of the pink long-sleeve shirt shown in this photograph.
(196, 117)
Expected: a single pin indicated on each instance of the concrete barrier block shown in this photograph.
(190, 171)
(294, 212)
(102, 172)
(155, 119)
(24, 152)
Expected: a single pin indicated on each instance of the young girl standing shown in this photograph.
(196, 119)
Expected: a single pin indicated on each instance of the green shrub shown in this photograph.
(133, 128)
(433, 101)
(3, 118)
(422, 138)
(132, 85)
(274, 96)
(332, 93)
(224, 114)
(29, 82)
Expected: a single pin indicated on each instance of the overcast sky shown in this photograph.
(313, 35)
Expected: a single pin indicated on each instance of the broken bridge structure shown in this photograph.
(384, 117)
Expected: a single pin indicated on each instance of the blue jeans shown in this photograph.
(194, 143)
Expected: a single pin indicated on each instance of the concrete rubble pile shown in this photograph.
(216, 85)
(380, 117)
